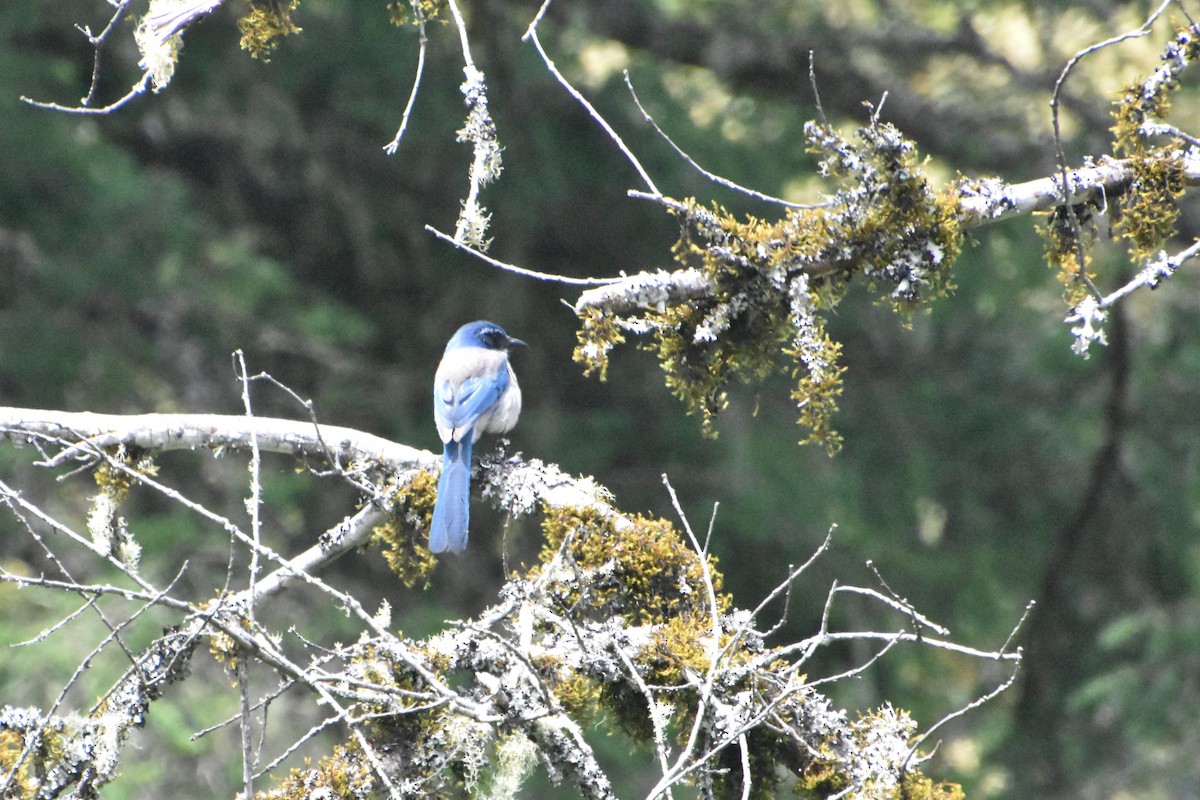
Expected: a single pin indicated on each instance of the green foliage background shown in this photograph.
(250, 206)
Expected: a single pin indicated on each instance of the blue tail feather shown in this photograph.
(452, 510)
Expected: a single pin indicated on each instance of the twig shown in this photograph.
(296, 745)
(460, 25)
(254, 507)
(138, 88)
(1067, 189)
(661, 747)
(861, 668)
(254, 501)
(812, 80)
(422, 43)
(705, 689)
(1013, 633)
(1153, 273)
(531, 36)
(898, 603)
(786, 586)
(528, 273)
(896, 637)
(47, 632)
(97, 42)
(241, 670)
(331, 455)
(974, 704)
(1149, 128)
(711, 175)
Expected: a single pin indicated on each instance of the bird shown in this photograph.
(475, 391)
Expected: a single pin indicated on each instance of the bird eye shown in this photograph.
(493, 339)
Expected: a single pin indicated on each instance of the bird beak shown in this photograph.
(515, 342)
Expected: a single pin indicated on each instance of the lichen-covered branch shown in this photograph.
(980, 202)
(750, 295)
(619, 618)
(83, 433)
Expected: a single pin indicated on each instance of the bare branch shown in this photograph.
(757, 195)
(532, 36)
(528, 273)
(422, 45)
(138, 89)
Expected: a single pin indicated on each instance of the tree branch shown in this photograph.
(81, 433)
(980, 203)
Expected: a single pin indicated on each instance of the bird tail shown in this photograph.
(453, 507)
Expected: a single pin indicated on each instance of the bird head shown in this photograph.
(482, 333)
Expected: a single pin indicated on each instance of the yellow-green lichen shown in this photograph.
(1148, 211)
(887, 222)
(12, 745)
(698, 368)
(397, 537)
(115, 476)
(1063, 247)
(402, 12)
(264, 24)
(1145, 213)
(772, 280)
(642, 571)
(598, 334)
(679, 646)
(578, 694)
(344, 774)
(225, 648)
(115, 481)
(916, 786)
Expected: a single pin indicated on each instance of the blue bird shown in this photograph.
(474, 392)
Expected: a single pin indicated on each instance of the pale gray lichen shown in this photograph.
(880, 748)
(480, 132)
(1089, 317)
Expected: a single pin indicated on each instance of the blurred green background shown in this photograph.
(250, 205)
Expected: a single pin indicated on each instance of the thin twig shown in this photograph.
(138, 88)
(974, 704)
(296, 745)
(531, 36)
(460, 25)
(786, 586)
(254, 506)
(310, 410)
(97, 43)
(897, 636)
(1060, 150)
(1153, 273)
(812, 80)
(422, 44)
(712, 176)
(241, 671)
(47, 632)
(528, 273)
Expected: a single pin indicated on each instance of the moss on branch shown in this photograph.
(774, 280)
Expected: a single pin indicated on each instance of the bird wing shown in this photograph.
(458, 404)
